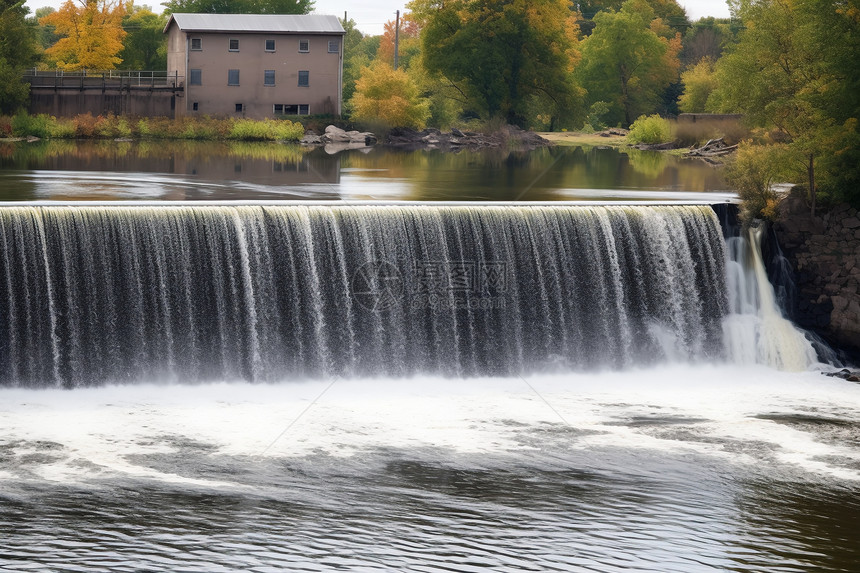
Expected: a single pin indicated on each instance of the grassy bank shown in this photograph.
(112, 127)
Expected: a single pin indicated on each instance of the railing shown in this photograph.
(110, 79)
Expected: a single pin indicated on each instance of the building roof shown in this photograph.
(265, 23)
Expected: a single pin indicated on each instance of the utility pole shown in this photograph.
(396, 37)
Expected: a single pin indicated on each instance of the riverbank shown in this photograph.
(87, 126)
(824, 252)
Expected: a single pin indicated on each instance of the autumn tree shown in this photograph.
(145, 46)
(239, 6)
(17, 52)
(504, 56)
(91, 34)
(628, 62)
(388, 96)
(699, 82)
(795, 70)
(358, 52)
(409, 48)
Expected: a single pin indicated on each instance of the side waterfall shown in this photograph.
(112, 294)
(756, 332)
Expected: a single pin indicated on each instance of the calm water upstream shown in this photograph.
(62, 170)
(689, 458)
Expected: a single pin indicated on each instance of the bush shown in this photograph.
(689, 133)
(5, 126)
(32, 125)
(753, 172)
(650, 129)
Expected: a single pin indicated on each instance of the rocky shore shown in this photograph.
(824, 251)
(509, 137)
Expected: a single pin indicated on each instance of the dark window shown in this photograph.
(269, 77)
(240, 108)
(194, 106)
(333, 46)
(196, 77)
(304, 109)
(234, 44)
(304, 79)
(279, 108)
(304, 45)
(270, 45)
(196, 43)
(232, 77)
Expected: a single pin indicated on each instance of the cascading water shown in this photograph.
(756, 332)
(93, 295)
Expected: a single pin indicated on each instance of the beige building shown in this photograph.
(256, 65)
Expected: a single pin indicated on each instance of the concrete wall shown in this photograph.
(824, 251)
(68, 102)
(215, 97)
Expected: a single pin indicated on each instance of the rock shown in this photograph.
(311, 138)
(851, 223)
(351, 139)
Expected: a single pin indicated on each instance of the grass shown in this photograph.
(576, 139)
(87, 126)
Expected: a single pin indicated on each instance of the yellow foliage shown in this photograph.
(92, 34)
(389, 96)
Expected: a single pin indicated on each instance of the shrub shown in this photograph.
(5, 126)
(33, 125)
(62, 128)
(689, 133)
(753, 172)
(650, 129)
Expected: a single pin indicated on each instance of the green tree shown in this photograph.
(239, 6)
(46, 35)
(669, 11)
(17, 53)
(358, 51)
(145, 46)
(795, 70)
(388, 96)
(502, 56)
(699, 81)
(626, 63)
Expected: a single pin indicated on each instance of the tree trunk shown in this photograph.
(810, 171)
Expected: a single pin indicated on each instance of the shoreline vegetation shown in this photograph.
(110, 126)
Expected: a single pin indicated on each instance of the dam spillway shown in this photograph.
(92, 295)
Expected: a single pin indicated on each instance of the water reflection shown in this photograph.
(190, 170)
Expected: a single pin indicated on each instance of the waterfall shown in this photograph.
(114, 294)
(755, 330)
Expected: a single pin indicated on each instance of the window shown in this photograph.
(269, 77)
(234, 44)
(291, 109)
(196, 43)
(333, 46)
(196, 78)
(232, 77)
(304, 46)
(270, 45)
(194, 106)
(240, 107)
(304, 79)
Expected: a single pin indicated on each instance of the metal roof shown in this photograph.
(267, 23)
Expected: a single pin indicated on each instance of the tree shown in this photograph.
(409, 38)
(626, 63)
(358, 52)
(17, 53)
(699, 81)
(239, 6)
(388, 96)
(795, 70)
(503, 55)
(91, 33)
(669, 11)
(145, 46)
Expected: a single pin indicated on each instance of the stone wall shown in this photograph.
(824, 251)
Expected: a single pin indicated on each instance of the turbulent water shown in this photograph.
(434, 388)
(94, 295)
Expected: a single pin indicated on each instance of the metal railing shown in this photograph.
(108, 79)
